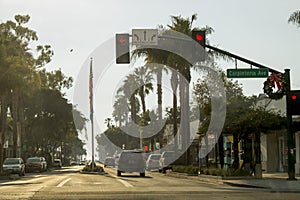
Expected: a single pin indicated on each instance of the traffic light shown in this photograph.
(199, 36)
(294, 96)
(122, 49)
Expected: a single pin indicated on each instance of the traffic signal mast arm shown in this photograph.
(240, 58)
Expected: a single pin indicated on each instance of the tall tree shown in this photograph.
(143, 79)
(18, 69)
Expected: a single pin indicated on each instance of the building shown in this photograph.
(274, 144)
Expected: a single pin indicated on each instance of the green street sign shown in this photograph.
(247, 73)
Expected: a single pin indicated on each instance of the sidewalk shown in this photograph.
(275, 182)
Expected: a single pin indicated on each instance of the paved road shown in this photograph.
(67, 183)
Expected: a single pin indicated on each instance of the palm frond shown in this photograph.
(295, 18)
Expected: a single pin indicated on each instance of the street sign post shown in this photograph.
(247, 73)
(144, 36)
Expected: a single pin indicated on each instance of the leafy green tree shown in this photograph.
(18, 75)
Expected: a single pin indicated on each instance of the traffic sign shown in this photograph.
(247, 73)
(144, 36)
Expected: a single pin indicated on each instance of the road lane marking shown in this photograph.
(63, 182)
(125, 183)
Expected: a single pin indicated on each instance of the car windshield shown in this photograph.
(11, 161)
(129, 155)
(33, 160)
(155, 157)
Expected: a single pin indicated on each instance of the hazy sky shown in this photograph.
(255, 29)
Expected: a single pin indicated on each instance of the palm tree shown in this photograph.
(120, 112)
(143, 78)
(130, 92)
(295, 18)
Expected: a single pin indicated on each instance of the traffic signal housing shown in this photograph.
(294, 99)
(199, 52)
(199, 36)
(122, 48)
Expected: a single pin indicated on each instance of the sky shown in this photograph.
(257, 30)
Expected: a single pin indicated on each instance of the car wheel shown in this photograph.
(118, 173)
(159, 170)
(163, 171)
(104, 165)
(142, 174)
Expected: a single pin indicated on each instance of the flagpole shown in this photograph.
(92, 110)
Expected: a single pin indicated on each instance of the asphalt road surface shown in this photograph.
(68, 183)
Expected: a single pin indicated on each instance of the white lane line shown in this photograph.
(125, 183)
(63, 182)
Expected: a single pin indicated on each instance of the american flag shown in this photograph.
(91, 90)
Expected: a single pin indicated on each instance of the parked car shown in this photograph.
(82, 162)
(109, 161)
(14, 166)
(131, 161)
(73, 162)
(57, 163)
(166, 161)
(36, 164)
(152, 162)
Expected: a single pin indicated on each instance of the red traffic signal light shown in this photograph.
(294, 100)
(122, 49)
(199, 36)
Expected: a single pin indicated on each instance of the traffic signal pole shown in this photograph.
(240, 58)
(290, 135)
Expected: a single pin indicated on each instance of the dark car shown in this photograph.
(36, 164)
(131, 161)
(14, 166)
(109, 161)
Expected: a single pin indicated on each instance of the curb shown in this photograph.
(202, 178)
(245, 185)
(95, 173)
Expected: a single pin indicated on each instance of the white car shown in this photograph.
(131, 161)
(152, 162)
(14, 166)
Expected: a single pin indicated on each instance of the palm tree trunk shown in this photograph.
(133, 108)
(3, 127)
(142, 96)
(159, 95)
(174, 84)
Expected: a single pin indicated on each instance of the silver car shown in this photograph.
(14, 166)
(131, 161)
(152, 162)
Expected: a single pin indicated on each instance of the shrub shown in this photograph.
(186, 169)
(89, 168)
